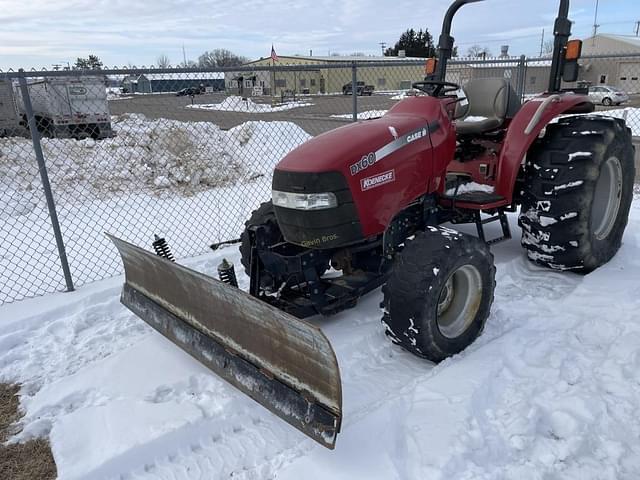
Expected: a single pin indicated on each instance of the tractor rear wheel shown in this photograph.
(439, 294)
(577, 193)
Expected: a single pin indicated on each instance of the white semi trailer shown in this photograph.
(69, 107)
(9, 122)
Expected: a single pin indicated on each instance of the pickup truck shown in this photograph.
(362, 89)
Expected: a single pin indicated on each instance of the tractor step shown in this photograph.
(501, 217)
(478, 198)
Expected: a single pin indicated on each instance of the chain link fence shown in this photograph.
(187, 154)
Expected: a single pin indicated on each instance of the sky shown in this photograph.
(40, 33)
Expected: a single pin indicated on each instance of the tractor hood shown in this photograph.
(373, 169)
(407, 121)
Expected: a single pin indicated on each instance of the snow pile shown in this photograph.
(150, 156)
(115, 93)
(366, 115)
(401, 96)
(550, 390)
(238, 104)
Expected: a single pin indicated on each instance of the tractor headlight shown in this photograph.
(304, 201)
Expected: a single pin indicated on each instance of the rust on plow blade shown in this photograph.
(285, 364)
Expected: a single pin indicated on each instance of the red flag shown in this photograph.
(274, 57)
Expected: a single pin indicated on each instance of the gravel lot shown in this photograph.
(313, 119)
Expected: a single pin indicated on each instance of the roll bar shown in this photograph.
(445, 42)
(561, 33)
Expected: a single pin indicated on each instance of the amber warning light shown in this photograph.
(574, 49)
(430, 66)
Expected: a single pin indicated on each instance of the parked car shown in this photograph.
(362, 89)
(191, 91)
(607, 95)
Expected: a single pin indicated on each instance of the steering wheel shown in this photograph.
(435, 88)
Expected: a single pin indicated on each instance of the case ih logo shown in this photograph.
(377, 180)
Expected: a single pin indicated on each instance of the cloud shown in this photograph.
(38, 33)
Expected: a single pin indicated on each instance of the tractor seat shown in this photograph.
(491, 98)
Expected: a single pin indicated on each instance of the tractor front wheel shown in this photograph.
(439, 294)
(577, 193)
(264, 216)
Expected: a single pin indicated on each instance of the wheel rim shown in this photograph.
(606, 101)
(459, 301)
(607, 198)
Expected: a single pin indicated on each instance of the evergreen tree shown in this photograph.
(414, 44)
(92, 62)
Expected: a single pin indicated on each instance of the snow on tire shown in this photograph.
(439, 294)
(577, 193)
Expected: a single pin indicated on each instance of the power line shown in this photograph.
(498, 40)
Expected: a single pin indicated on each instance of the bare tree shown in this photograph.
(478, 51)
(188, 64)
(547, 48)
(163, 61)
(220, 57)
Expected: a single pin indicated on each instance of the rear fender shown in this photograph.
(525, 127)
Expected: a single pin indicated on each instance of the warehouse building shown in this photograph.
(172, 82)
(322, 80)
(619, 71)
(536, 73)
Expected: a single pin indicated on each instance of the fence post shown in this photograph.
(354, 90)
(44, 177)
(522, 77)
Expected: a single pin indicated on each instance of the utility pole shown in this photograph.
(542, 42)
(184, 56)
(382, 46)
(595, 25)
(637, 27)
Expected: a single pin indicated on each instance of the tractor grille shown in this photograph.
(320, 229)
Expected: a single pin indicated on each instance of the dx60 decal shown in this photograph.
(377, 180)
(372, 158)
(365, 162)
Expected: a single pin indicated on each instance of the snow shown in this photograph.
(115, 93)
(156, 176)
(238, 104)
(469, 187)
(473, 118)
(550, 390)
(366, 115)
(574, 155)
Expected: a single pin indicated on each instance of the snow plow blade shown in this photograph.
(285, 364)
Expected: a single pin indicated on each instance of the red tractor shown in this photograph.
(362, 206)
